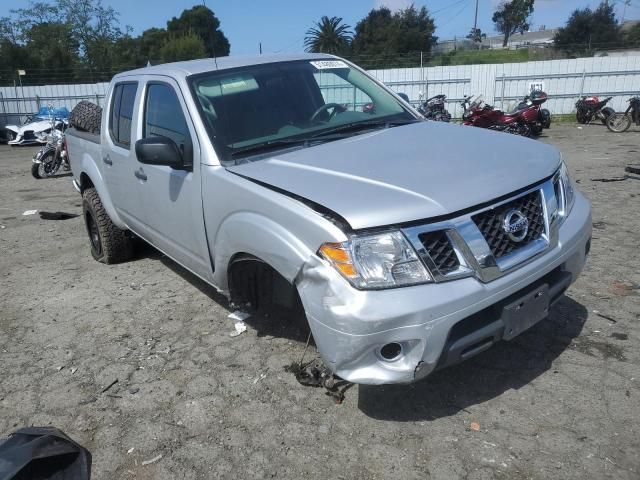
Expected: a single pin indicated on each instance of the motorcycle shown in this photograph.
(433, 108)
(478, 114)
(48, 160)
(543, 119)
(592, 108)
(620, 122)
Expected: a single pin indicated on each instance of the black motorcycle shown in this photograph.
(543, 120)
(433, 109)
(48, 160)
(592, 108)
(620, 122)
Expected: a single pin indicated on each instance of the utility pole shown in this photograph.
(260, 46)
(475, 20)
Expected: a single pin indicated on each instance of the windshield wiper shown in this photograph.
(270, 145)
(367, 125)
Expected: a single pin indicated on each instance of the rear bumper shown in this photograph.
(437, 324)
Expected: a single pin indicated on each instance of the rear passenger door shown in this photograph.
(172, 198)
(119, 161)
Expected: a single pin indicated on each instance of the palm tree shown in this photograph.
(329, 35)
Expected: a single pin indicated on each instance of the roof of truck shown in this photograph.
(192, 67)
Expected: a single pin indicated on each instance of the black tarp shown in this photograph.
(43, 453)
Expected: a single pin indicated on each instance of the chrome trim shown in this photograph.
(473, 251)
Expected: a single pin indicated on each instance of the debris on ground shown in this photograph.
(239, 316)
(153, 460)
(611, 179)
(109, 386)
(624, 288)
(316, 374)
(475, 426)
(130, 451)
(57, 215)
(606, 317)
(240, 328)
(30, 212)
(633, 169)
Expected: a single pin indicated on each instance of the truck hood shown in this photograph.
(407, 173)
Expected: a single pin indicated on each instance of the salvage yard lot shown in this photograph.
(560, 401)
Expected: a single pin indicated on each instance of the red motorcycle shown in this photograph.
(543, 117)
(478, 114)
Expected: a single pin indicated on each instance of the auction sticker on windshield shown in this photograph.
(327, 64)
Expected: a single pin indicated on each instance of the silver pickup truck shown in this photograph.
(301, 180)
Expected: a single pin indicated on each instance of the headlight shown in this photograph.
(567, 193)
(376, 261)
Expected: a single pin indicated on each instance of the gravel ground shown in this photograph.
(560, 401)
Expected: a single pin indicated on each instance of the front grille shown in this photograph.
(28, 135)
(440, 250)
(490, 223)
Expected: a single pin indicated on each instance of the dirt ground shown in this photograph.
(560, 401)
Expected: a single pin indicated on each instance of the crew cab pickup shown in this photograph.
(301, 180)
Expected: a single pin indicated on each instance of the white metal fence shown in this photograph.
(501, 85)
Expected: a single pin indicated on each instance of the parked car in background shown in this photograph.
(410, 245)
(37, 126)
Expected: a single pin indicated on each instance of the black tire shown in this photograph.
(47, 166)
(619, 122)
(581, 116)
(607, 112)
(35, 170)
(109, 244)
(536, 130)
(86, 116)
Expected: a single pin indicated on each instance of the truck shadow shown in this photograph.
(506, 366)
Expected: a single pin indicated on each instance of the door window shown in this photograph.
(164, 116)
(124, 96)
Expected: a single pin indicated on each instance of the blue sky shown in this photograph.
(280, 24)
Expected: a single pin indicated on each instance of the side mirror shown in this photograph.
(405, 97)
(159, 150)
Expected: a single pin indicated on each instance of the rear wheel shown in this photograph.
(109, 244)
(619, 122)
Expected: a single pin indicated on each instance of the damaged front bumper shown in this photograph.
(435, 325)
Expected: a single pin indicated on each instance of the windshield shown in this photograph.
(279, 104)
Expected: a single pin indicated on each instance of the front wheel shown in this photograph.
(109, 244)
(606, 113)
(35, 170)
(47, 166)
(581, 116)
(619, 122)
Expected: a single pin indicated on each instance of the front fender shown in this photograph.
(255, 234)
(88, 167)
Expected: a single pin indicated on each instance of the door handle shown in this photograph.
(140, 174)
(107, 159)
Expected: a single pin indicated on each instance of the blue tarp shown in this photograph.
(46, 113)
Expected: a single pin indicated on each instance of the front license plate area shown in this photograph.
(525, 312)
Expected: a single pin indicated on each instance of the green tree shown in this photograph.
(511, 17)
(383, 33)
(588, 28)
(184, 47)
(329, 35)
(203, 23)
(632, 35)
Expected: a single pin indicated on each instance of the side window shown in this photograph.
(163, 115)
(124, 96)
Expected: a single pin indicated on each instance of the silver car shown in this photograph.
(301, 180)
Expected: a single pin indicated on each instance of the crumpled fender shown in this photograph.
(255, 234)
(13, 128)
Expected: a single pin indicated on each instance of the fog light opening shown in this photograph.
(391, 351)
